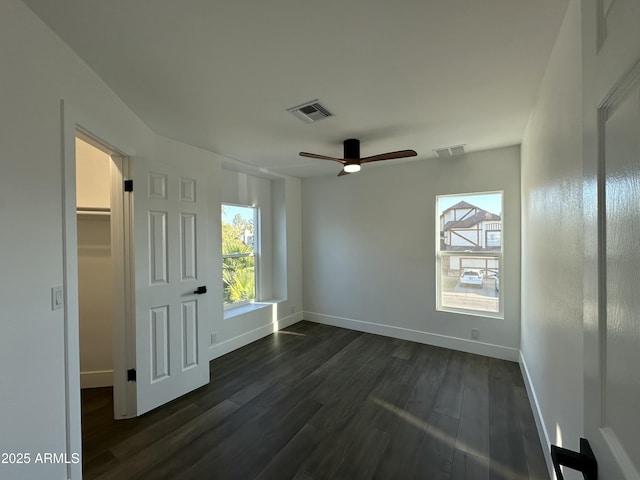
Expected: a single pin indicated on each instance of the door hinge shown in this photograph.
(131, 375)
(128, 185)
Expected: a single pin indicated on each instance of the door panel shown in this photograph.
(171, 354)
(611, 82)
(190, 334)
(158, 248)
(160, 343)
(188, 246)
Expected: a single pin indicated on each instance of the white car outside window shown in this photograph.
(471, 277)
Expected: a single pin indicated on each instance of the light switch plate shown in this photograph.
(57, 297)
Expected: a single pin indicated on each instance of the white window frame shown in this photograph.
(255, 254)
(497, 256)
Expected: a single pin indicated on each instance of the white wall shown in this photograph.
(95, 300)
(291, 278)
(92, 176)
(552, 243)
(369, 250)
(38, 71)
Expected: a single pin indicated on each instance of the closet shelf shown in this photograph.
(93, 211)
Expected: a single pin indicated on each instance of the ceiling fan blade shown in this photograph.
(389, 156)
(343, 172)
(321, 157)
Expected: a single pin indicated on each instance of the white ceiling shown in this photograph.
(402, 74)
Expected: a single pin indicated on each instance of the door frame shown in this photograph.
(122, 261)
(74, 123)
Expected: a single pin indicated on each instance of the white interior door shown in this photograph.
(170, 209)
(611, 45)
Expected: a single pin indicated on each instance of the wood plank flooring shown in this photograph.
(314, 402)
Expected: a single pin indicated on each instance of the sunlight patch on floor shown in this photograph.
(286, 332)
(502, 470)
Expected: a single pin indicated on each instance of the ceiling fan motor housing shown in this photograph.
(352, 150)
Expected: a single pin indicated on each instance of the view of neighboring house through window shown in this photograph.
(469, 253)
(239, 254)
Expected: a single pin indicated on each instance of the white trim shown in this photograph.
(256, 250)
(500, 314)
(537, 415)
(70, 280)
(123, 286)
(238, 255)
(620, 454)
(445, 341)
(96, 379)
(246, 338)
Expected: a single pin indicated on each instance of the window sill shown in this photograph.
(472, 313)
(249, 307)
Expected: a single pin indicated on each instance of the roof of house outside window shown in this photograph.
(468, 222)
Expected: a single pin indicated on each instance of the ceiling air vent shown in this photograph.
(449, 151)
(310, 112)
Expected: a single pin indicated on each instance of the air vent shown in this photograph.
(449, 151)
(310, 112)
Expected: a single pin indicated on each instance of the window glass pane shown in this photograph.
(238, 276)
(238, 247)
(237, 229)
(470, 222)
(470, 283)
(469, 252)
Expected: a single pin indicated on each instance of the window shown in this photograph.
(239, 254)
(469, 253)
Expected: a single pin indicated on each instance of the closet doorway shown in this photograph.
(103, 240)
(95, 275)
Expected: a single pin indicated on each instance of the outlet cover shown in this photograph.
(475, 333)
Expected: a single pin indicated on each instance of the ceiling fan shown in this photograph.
(351, 162)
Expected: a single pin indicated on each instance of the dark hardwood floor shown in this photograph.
(319, 402)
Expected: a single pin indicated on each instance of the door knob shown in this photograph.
(201, 290)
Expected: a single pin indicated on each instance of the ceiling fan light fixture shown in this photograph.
(352, 159)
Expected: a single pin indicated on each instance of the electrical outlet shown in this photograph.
(292, 309)
(475, 333)
(214, 338)
(57, 297)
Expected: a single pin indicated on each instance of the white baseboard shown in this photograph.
(290, 320)
(246, 338)
(537, 415)
(97, 379)
(470, 346)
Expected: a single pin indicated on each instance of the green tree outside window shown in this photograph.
(238, 254)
